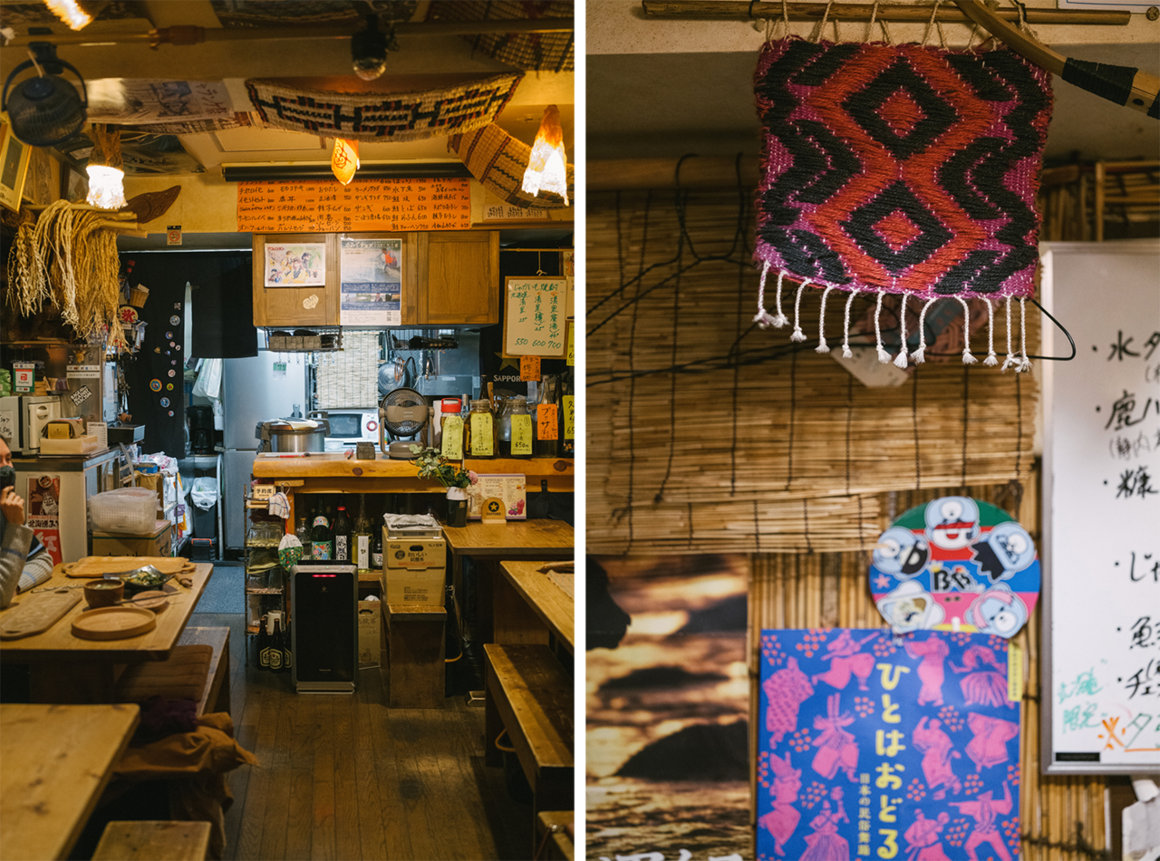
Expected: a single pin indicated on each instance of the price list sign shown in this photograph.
(326, 206)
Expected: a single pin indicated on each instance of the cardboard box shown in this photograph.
(160, 543)
(372, 635)
(422, 586)
(413, 553)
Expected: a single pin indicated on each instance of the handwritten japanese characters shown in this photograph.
(876, 746)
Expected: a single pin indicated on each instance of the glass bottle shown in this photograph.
(482, 436)
(362, 537)
(567, 416)
(548, 418)
(287, 655)
(263, 643)
(451, 429)
(343, 531)
(320, 545)
(276, 647)
(377, 552)
(303, 535)
(516, 434)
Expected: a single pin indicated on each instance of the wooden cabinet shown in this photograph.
(458, 279)
(282, 305)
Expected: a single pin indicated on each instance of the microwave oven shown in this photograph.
(348, 427)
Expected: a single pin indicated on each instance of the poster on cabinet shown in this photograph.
(299, 264)
(371, 277)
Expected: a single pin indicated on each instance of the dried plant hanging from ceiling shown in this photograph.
(383, 117)
(498, 161)
(282, 13)
(899, 169)
(541, 52)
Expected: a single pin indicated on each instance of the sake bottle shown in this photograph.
(362, 537)
(275, 660)
(343, 531)
(320, 539)
(567, 416)
(263, 643)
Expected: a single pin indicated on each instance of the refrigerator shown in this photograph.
(255, 389)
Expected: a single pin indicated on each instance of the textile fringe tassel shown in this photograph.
(798, 334)
(823, 347)
(991, 359)
(968, 359)
(846, 352)
(1024, 362)
(883, 356)
(762, 318)
(919, 355)
(900, 359)
(1012, 361)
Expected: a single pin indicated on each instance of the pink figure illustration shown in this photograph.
(983, 811)
(982, 686)
(937, 753)
(825, 844)
(836, 747)
(989, 746)
(933, 652)
(783, 819)
(845, 657)
(922, 838)
(785, 690)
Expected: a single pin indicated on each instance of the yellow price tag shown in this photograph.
(521, 435)
(569, 416)
(571, 343)
(1014, 673)
(451, 446)
(482, 438)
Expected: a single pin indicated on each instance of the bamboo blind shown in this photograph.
(697, 419)
(1084, 202)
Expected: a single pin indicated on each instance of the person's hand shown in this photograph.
(12, 506)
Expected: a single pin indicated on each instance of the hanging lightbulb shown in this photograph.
(547, 165)
(344, 160)
(106, 169)
(71, 12)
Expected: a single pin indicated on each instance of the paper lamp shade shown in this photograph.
(548, 165)
(344, 160)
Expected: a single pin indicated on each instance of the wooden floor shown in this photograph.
(344, 777)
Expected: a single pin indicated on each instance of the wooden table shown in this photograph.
(528, 606)
(66, 669)
(489, 543)
(57, 760)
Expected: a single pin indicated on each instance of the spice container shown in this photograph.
(480, 431)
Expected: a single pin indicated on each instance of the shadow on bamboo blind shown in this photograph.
(708, 434)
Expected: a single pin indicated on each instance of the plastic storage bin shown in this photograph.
(124, 511)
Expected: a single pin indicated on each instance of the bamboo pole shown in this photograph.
(813, 11)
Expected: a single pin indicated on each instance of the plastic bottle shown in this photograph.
(343, 533)
(320, 545)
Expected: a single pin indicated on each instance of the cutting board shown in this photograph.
(113, 623)
(99, 566)
(37, 612)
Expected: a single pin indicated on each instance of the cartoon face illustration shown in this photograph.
(997, 611)
(952, 522)
(1005, 550)
(910, 608)
(900, 552)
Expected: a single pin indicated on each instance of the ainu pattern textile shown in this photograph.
(498, 161)
(383, 117)
(548, 52)
(900, 168)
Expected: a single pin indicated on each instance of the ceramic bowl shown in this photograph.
(104, 593)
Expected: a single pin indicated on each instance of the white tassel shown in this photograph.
(1024, 363)
(823, 347)
(968, 359)
(991, 359)
(883, 356)
(763, 318)
(779, 319)
(846, 352)
(798, 334)
(919, 355)
(900, 359)
(1012, 361)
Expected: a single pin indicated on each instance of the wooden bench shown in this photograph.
(554, 835)
(530, 695)
(198, 669)
(217, 691)
(416, 652)
(153, 841)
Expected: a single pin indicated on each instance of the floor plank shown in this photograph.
(347, 843)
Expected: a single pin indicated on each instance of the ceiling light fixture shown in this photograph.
(45, 110)
(106, 169)
(72, 12)
(344, 160)
(548, 165)
(369, 47)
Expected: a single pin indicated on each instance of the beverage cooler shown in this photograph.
(324, 627)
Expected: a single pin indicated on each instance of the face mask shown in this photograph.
(7, 477)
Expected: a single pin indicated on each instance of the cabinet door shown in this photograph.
(278, 300)
(458, 277)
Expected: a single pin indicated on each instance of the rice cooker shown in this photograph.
(293, 435)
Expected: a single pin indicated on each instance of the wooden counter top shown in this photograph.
(335, 465)
(538, 539)
(551, 604)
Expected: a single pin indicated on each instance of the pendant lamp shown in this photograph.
(106, 169)
(344, 160)
(548, 165)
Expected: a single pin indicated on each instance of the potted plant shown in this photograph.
(432, 464)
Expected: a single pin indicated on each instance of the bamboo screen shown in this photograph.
(708, 434)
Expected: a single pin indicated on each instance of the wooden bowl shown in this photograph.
(104, 593)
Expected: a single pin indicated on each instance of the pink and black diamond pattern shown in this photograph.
(900, 168)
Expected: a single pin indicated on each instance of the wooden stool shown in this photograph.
(153, 841)
(416, 652)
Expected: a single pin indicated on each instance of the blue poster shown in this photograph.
(876, 746)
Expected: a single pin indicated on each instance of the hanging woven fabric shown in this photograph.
(900, 169)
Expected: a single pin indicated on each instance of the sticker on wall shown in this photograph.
(165, 402)
(81, 395)
(868, 749)
(155, 385)
(955, 563)
(174, 320)
(310, 302)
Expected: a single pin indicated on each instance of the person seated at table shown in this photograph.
(24, 561)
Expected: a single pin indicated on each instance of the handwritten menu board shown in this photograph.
(1101, 470)
(534, 316)
(327, 206)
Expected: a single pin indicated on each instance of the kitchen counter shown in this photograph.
(332, 472)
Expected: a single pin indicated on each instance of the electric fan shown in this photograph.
(403, 414)
(45, 110)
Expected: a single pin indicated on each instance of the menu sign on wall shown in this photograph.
(326, 206)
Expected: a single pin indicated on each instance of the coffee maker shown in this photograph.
(201, 431)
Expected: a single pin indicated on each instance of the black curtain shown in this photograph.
(223, 306)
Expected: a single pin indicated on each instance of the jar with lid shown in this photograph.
(480, 431)
(514, 428)
(450, 429)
